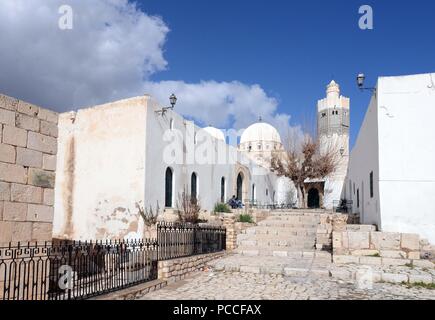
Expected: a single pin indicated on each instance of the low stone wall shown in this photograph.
(234, 228)
(178, 269)
(363, 245)
(329, 222)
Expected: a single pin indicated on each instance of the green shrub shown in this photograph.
(247, 218)
(222, 208)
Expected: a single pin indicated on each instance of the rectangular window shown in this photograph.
(357, 198)
(371, 184)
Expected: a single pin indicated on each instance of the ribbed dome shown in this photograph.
(215, 133)
(260, 132)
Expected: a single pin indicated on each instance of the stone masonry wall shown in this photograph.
(234, 228)
(178, 269)
(364, 245)
(28, 147)
(329, 222)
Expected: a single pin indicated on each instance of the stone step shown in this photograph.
(297, 219)
(278, 237)
(299, 264)
(277, 251)
(282, 224)
(277, 243)
(263, 230)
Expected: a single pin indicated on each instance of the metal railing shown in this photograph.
(68, 270)
(178, 240)
(74, 270)
(272, 206)
(343, 206)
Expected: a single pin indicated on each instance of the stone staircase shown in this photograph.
(283, 243)
(281, 234)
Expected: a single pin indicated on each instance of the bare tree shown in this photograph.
(304, 161)
(149, 216)
(188, 208)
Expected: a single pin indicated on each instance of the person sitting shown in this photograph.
(233, 202)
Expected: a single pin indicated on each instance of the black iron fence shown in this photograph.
(74, 270)
(80, 270)
(178, 240)
(343, 206)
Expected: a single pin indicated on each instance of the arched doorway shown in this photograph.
(223, 190)
(194, 186)
(240, 187)
(169, 182)
(313, 200)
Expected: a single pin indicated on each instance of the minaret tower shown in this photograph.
(333, 114)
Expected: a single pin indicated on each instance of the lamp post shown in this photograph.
(360, 78)
(172, 101)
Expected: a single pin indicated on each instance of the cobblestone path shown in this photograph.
(211, 285)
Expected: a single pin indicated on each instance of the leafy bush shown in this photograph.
(222, 207)
(247, 218)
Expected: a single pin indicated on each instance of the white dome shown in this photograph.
(215, 133)
(260, 132)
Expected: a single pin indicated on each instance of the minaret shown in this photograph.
(333, 114)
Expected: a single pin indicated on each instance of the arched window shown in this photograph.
(253, 198)
(239, 187)
(194, 186)
(169, 185)
(223, 190)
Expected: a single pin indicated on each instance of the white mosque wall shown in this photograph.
(211, 159)
(364, 159)
(396, 142)
(100, 171)
(114, 157)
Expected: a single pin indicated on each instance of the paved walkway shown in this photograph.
(211, 285)
(277, 260)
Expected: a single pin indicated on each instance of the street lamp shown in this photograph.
(172, 101)
(360, 78)
(342, 151)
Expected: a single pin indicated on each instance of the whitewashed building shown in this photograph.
(116, 156)
(391, 175)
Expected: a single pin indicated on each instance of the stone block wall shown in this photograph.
(28, 147)
(363, 245)
(329, 222)
(178, 269)
(234, 228)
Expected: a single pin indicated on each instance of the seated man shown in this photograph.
(233, 202)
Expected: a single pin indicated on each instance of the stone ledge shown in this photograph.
(133, 292)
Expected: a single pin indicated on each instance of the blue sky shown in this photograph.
(228, 61)
(294, 48)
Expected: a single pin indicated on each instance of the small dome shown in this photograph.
(215, 133)
(260, 132)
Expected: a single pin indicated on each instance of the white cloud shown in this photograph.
(112, 47)
(111, 53)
